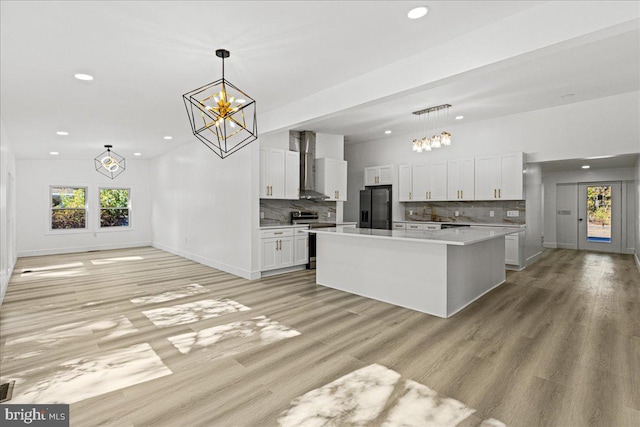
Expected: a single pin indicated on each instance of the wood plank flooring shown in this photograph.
(557, 345)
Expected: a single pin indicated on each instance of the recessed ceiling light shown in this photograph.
(459, 117)
(53, 153)
(62, 133)
(168, 137)
(586, 167)
(137, 154)
(387, 132)
(83, 76)
(418, 12)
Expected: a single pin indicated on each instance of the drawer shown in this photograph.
(300, 232)
(432, 226)
(399, 225)
(415, 227)
(277, 232)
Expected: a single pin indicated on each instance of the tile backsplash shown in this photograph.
(474, 211)
(277, 212)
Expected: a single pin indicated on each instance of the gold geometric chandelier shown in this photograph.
(422, 142)
(222, 116)
(110, 163)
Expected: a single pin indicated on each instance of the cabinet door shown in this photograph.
(301, 249)
(404, 183)
(264, 170)
(454, 182)
(420, 179)
(370, 175)
(399, 226)
(511, 185)
(437, 181)
(329, 179)
(467, 179)
(414, 227)
(276, 165)
(487, 177)
(384, 175)
(341, 180)
(292, 175)
(286, 251)
(511, 250)
(269, 253)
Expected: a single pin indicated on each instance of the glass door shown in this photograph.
(599, 216)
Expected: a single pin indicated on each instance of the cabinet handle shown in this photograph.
(409, 195)
(499, 195)
(462, 194)
(429, 195)
(338, 194)
(494, 193)
(278, 232)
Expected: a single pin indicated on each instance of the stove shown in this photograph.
(310, 219)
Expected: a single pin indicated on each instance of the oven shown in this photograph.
(310, 219)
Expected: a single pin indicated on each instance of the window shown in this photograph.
(599, 213)
(114, 207)
(68, 208)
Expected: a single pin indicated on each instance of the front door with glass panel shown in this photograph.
(600, 216)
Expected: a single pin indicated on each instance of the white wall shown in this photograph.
(206, 208)
(533, 212)
(33, 180)
(551, 181)
(637, 215)
(8, 252)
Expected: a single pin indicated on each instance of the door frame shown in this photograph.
(615, 245)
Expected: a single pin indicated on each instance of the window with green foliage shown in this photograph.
(68, 208)
(114, 207)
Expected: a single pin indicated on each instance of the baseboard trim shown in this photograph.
(78, 249)
(4, 281)
(283, 270)
(245, 274)
(550, 245)
(533, 258)
(567, 246)
(637, 261)
(475, 299)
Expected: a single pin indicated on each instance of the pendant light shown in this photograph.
(222, 116)
(438, 138)
(109, 163)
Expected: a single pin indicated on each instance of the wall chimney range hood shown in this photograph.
(307, 149)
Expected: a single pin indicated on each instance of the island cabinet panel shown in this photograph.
(499, 177)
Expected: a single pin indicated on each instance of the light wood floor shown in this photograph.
(557, 345)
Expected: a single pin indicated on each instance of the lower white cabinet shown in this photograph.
(514, 251)
(399, 226)
(283, 247)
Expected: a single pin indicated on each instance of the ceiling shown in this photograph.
(613, 162)
(144, 58)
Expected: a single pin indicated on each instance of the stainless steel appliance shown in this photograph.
(444, 226)
(375, 207)
(305, 143)
(310, 218)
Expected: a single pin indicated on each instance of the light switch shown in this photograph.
(410, 212)
(457, 213)
(261, 215)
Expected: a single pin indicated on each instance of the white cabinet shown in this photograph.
(378, 175)
(331, 178)
(499, 177)
(460, 179)
(405, 186)
(411, 226)
(279, 173)
(301, 244)
(511, 249)
(283, 247)
(421, 183)
(399, 226)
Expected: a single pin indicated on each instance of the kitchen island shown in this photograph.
(436, 272)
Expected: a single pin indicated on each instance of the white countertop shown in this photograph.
(473, 224)
(267, 227)
(449, 236)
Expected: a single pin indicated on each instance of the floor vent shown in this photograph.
(6, 390)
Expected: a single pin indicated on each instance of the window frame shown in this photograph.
(99, 227)
(50, 209)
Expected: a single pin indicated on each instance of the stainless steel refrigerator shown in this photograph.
(375, 207)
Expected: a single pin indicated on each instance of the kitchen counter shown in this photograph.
(336, 224)
(437, 272)
(472, 224)
(449, 236)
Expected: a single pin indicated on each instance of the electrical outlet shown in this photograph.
(410, 212)
(456, 213)
(261, 215)
(513, 213)
(329, 215)
(492, 214)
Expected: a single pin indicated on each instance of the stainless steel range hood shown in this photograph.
(306, 145)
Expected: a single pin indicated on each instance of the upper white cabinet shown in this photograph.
(460, 179)
(422, 183)
(378, 175)
(331, 178)
(279, 173)
(405, 186)
(499, 177)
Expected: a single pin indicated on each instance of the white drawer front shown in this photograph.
(277, 232)
(415, 227)
(399, 226)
